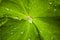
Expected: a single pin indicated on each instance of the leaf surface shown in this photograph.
(30, 20)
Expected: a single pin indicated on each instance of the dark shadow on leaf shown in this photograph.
(51, 20)
(39, 36)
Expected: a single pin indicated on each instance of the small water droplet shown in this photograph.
(48, 7)
(29, 39)
(22, 32)
(11, 33)
(54, 9)
(7, 8)
(14, 28)
(59, 3)
(20, 19)
(55, 5)
(40, 31)
(29, 8)
(52, 38)
(16, 17)
(50, 3)
(32, 2)
(6, 15)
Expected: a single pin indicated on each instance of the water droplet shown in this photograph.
(7, 8)
(16, 17)
(32, 2)
(29, 8)
(54, 9)
(52, 38)
(29, 19)
(29, 39)
(6, 15)
(40, 31)
(48, 7)
(55, 5)
(37, 33)
(22, 32)
(11, 33)
(14, 28)
(50, 3)
(20, 19)
(59, 3)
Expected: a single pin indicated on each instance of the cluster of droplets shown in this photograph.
(51, 3)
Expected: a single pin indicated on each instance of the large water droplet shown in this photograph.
(29, 19)
(50, 3)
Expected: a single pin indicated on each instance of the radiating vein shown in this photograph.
(27, 32)
(2, 23)
(23, 7)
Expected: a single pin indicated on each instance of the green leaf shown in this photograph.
(49, 27)
(29, 19)
(19, 30)
(0, 1)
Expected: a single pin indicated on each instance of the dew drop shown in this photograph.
(11, 33)
(6, 15)
(52, 38)
(14, 28)
(29, 19)
(20, 19)
(29, 39)
(40, 31)
(55, 5)
(50, 3)
(48, 7)
(7, 8)
(22, 32)
(29, 8)
(32, 3)
(16, 17)
(54, 9)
